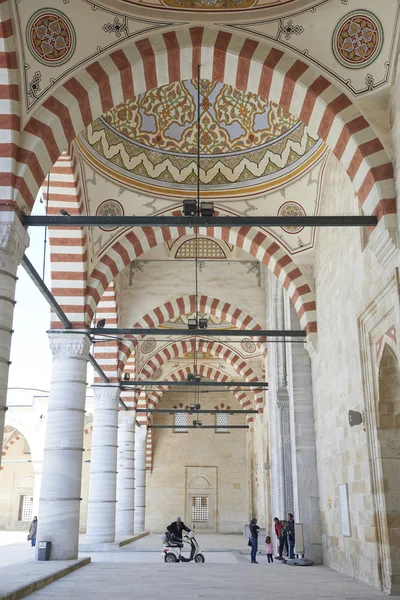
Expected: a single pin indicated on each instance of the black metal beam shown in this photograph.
(195, 427)
(46, 293)
(188, 410)
(145, 383)
(44, 290)
(197, 332)
(181, 221)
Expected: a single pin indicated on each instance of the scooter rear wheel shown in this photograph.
(199, 558)
(170, 558)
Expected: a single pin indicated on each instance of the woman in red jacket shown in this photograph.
(278, 533)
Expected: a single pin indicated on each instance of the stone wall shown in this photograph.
(16, 480)
(198, 462)
(347, 281)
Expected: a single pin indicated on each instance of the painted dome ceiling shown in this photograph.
(247, 145)
(216, 6)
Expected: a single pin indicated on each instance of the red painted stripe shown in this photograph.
(173, 56)
(61, 111)
(376, 174)
(362, 152)
(267, 71)
(245, 56)
(149, 63)
(348, 131)
(45, 133)
(99, 75)
(331, 111)
(196, 35)
(9, 92)
(6, 29)
(291, 77)
(314, 91)
(219, 61)
(125, 69)
(77, 90)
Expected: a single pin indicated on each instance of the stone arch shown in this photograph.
(199, 482)
(254, 241)
(388, 421)
(183, 305)
(219, 349)
(155, 396)
(244, 63)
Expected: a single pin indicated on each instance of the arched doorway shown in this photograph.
(389, 441)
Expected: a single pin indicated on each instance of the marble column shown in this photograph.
(13, 242)
(60, 496)
(279, 406)
(124, 520)
(38, 468)
(304, 458)
(140, 478)
(100, 526)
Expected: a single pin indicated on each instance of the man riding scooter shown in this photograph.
(175, 529)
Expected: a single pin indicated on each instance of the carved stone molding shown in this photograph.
(105, 397)
(384, 241)
(311, 345)
(69, 345)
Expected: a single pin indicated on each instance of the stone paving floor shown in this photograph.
(102, 581)
(137, 572)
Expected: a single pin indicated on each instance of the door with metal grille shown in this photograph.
(200, 509)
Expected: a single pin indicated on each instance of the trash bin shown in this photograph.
(44, 551)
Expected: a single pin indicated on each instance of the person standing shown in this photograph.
(278, 530)
(33, 531)
(291, 534)
(269, 549)
(283, 543)
(254, 528)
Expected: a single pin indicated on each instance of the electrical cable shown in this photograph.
(45, 229)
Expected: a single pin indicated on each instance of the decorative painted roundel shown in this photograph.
(291, 209)
(51, 37)
(248, 346)
(148, 346)
(110, 208)
(157, 374)
(358, 39)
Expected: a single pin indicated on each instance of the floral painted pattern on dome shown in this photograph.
(110, 208)
(358, 39)
(292, 209)
(51, 37)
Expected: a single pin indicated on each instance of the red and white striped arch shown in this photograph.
(218, 349)
(208, 372)
(186, 305)
(225, 57)
(252, 240)
(106, 353)
(62, 189)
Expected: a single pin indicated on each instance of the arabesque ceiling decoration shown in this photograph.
(248, 145)
(217, 5)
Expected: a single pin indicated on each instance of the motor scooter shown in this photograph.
(172, 551)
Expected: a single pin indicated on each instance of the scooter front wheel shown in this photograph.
(199, 558)
(170, 558)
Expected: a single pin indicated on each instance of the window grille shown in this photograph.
(25, 508)
(205, 249)
(180, 422)
(200, 509)
(222, 422)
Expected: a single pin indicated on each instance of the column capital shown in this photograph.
(69, 345)
(104, 396)
(13, 236)
(126, 419)
(141, 434)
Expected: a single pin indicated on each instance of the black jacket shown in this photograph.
(254, 530)
(177, 528)
(290, 526)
